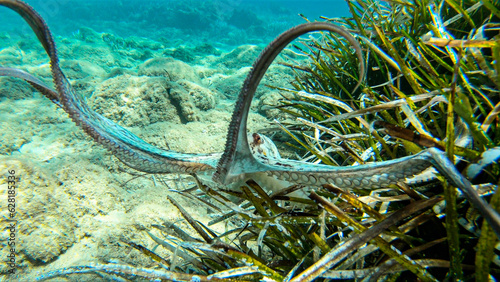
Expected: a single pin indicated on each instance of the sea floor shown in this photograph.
(76, 204)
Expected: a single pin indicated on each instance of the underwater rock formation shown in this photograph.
(267, 102)
(182, 54)
(142, 100)
(43, 201)
(78, 69)
(11, 54)
(98, 54)
(206, 49)
(88, 35)
(189, 98)
(244, 18)
(134, 101)
(13, 90)
(64, 219)
(118, 71)
(203, 98)
(168, 67)
(241, 56)
(229, 83)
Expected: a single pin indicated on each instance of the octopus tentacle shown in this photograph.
(237, 157)
(129, 148)
(238, 161)
(36, 83)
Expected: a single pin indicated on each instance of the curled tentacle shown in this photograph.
(237, 158)
(129, 148)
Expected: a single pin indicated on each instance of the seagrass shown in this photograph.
(240, 162)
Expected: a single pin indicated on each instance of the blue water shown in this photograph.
(215, 21)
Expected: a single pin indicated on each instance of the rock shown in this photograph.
(88, 35)
(241, 56)
(190, 98)
(139, 101)
(135, 42)
(97, 54)
(134, 101)
(118, 71)
(228, 84)
(14, 88)
(206, 49)
(180, 98)
(11, 55)
(133, 56)
(83, 87)
(183, 54)
(168, 67)
(43, 213)
(266, 103)
(190, 54)
(78, 69)
(113, 41)
(244, 19)
(203, 98)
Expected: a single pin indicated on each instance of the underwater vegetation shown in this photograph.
(431, 82)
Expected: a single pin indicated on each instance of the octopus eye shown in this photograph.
(256, 138)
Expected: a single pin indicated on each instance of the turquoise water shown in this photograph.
(214, 21)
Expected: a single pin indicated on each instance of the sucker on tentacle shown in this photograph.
(238, 161)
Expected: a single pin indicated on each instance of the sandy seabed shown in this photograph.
(77, 204)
